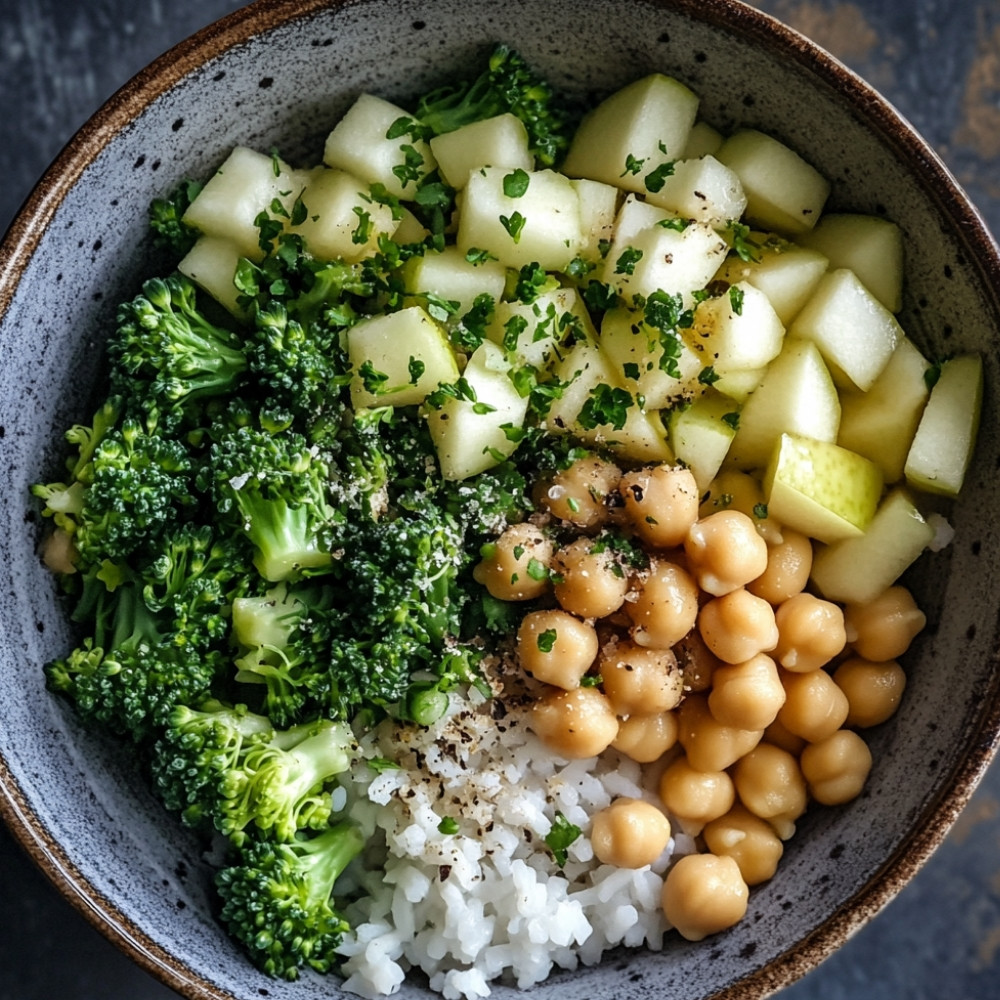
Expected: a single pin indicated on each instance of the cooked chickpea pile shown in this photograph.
(681, 633)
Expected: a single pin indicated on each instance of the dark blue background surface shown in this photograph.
(937, 60)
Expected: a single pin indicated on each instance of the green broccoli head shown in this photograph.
(277, 900)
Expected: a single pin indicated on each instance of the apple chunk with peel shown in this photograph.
(855, 333)
(946, 436)
(501, 141)
(701, 433)
(880, 423)
(796, 396)
(398, 358)
(821, 489)
(470, 434)
(857, 570)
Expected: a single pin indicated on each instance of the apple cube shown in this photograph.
(740, 385)
(470, 435)
(598, 212)
(946, 436)
(541, 225)
(703, 140)
(787, 274)
(783, 191)
(633, 132)
(703, 190)
(246, 184)
(341, 219)
(501, 141)
(398, 358)
(857, 570)
(736, 331)
(448, 275)
(880, 423)
(701, 433)
(855, 333)
(211, 264)
(869, 246)
(360, 145)
(636, 352)
(796, 396)
(662, 258)
(533, 333)
(821, 489)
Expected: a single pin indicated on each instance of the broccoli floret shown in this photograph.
(166, 219)
(276, 489)
(508, 84)
(131, 673)
(278, 900)
(230, 767)
(164, 351)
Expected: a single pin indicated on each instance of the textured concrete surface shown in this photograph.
(937, 60)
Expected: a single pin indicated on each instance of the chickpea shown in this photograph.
(640, 680)
(697, 661)
(814, 706)
(769, 783)
(725, 552)
(711, 746)
(579, 494)
(883, 629)
(777, 734)
(750, 841)
(556, 648)
(515, 567)
(574, 724)
(696, 796)
(661, 503)
(747, 695)
(789, 563)
(704, 894)
(59, 552)
(737, 626)
(810, 632)
(873, 690)
(629, 833)
(666, 606)
(734, 490)
(837, 767)
(590, 581)
(645, 738)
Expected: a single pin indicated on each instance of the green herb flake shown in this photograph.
(416, 368)
(537, 570)
(627, 261)
(655, 179)
(632, 166)
(476, 256)
(560, 837)
(732, 419)
(514, 224)
(605, 405)
(448, 826)
(631, 370)
(736, 299)
(547, 640)
(380, 764)
(760, 511)
(373, 380)
(516, 184)
(363, 231)
(708, 376)
(591, 680)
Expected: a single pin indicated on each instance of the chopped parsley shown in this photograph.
(605, 405)
(736, 299)
(560, 837)
(516, 184)
(547, 640)
(514, 224)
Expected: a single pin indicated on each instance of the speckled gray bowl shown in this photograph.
(278, 74)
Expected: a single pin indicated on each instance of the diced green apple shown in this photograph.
(736, 331)
(598, 211)
(633, 132)
(636, 352)
(702, 189)
(739, 385)
(540, 226)
(787, 274)
(880, 423)
(855, 333)
(448, 275)
(341, 219)
(398, 358)
(857, 570)
(246, 184)
(783, 192)
(547, 324)
(211, 264)
(471, 436)
(359, 145)
(869, 246)
(796, 396)
(701, 433)
(501, 141)
(703, 140)
(942, 447)
(821, 489)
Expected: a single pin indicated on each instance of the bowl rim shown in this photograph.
(33, 218)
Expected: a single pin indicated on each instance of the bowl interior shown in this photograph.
(80, 802)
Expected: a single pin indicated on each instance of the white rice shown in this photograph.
(489, 901)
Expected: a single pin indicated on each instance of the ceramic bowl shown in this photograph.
(279, 73)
